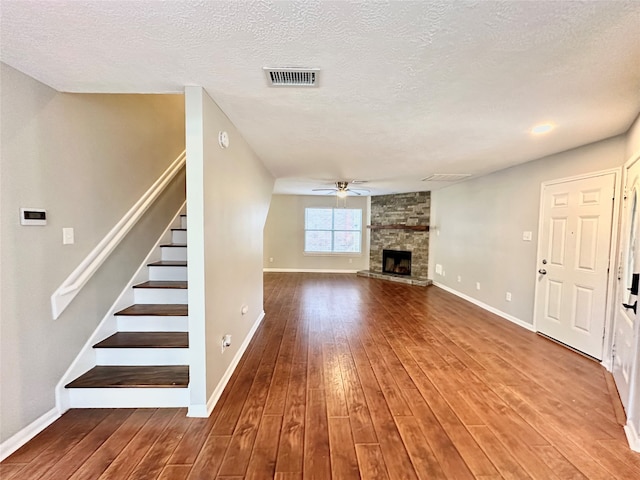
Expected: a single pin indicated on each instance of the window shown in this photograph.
(332, 230)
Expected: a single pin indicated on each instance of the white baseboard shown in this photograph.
(632, 436)
(489, 308)
(27, 433)
(205, 410)
(307, 270)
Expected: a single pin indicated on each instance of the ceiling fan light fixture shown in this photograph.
(342, 194)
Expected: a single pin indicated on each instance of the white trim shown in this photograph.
(143, 397)
(607, 337)
(486, 307)
(308, 270)
(86, 358)
(16, 441)
(66, 292)
(632, 436)
(205, 410)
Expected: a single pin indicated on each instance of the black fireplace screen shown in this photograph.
(396, 261)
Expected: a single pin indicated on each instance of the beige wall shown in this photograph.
(86, 159)
(284, 235)
(477, 226)
(633, 139)
(228, 197)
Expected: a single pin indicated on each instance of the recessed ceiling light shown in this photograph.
(542, 128)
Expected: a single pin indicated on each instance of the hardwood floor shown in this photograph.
(350, 377)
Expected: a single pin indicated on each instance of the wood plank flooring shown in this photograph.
(351, 378)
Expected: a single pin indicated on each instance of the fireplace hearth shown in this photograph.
(397, 262)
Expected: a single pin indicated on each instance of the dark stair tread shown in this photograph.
(181, 284)
(145, 340)
(178, 229)
(168, 263)
(173, 245)
(158, 309)
(173, 376)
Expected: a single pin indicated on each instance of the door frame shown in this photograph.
(633, 436)
(607, 360)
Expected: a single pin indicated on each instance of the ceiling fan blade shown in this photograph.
(324, 190)
(354, 192)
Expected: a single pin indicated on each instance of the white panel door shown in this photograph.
(625, 324)
(573, 261)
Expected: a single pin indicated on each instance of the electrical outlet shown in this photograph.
(438, 269)
(459, 278)
(527, 236)
(351, 260)
(226, 342)
(477, 285)
(270, 259)
(508, 296)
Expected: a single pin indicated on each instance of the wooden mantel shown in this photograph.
(399, 226)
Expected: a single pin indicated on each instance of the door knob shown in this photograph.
(542, 271)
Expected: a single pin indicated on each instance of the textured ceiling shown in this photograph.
(407, 89)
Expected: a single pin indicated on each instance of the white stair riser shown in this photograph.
(142, 356)
(174, 253)
(128, 397)
(160, 295)
(143, 323)
(178, 236)
(183, 221)
(168, 273)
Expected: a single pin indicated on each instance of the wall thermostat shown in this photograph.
(33, 216)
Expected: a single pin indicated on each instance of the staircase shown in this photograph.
(145, 363)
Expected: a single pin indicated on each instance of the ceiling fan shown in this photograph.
(342, 189)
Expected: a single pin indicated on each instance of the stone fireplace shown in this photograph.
(400, 223)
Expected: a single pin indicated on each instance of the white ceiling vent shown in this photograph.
(446, 177)
(292, 77)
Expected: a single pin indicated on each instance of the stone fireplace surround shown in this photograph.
(400, 222)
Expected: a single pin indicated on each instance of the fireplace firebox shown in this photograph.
(396, 261)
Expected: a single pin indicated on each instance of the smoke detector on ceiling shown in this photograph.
(292, 77)
(446, 177)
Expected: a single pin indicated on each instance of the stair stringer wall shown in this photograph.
(86, 358)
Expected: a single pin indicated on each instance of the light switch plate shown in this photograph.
(527, 236)
(68, 236)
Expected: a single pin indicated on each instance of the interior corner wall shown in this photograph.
(477, 226)
(633, 139)
(86, 159)
(228, 194)
(284, 235)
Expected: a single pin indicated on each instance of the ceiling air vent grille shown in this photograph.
(292, 77)
(446, 177)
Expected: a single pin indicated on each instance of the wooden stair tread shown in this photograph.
(159, 309)
(178, 229)
(181, 284)
(168, 263)
(145, 340)
(173, 245)
(133, 376)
